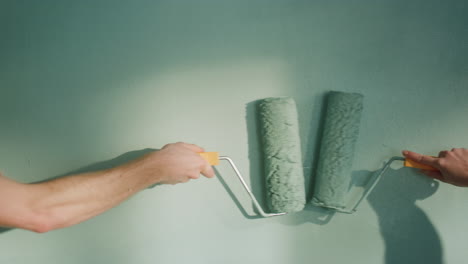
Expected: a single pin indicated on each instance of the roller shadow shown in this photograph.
(312, 147)
(318, 215)
(102, 165)
(256, 169)
(310, 213)
(408, 233)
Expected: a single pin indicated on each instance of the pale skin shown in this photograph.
(452, 166)
(67, 201)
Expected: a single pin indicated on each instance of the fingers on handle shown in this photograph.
(443, 154)
(423, 159)
(207, 170)
(193, 147)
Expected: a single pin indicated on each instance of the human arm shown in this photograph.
(66, 201)
(452, 166)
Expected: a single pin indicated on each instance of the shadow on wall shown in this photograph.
(102, 165)
(408, 233)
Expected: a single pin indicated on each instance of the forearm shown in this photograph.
(70, 200)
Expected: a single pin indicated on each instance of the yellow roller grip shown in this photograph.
(211, 157)
(414, 164)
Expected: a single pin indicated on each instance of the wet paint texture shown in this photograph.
(284, 177)
(340, 134)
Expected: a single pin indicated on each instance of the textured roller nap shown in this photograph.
(341, 130)
(282, 155)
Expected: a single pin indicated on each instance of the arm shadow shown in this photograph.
(408, 233)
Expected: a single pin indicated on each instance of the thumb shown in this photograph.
(420, 158)
(208, 171)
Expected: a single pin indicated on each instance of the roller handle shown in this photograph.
(211, 157)
(417, 165)
(375, 179)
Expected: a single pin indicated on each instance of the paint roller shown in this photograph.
(340, 134)
(281, 149)
(284, 180)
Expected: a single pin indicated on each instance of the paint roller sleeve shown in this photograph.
(341, 130)
(282, 154)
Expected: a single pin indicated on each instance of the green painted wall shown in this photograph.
(83, 82)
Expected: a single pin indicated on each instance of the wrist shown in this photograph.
(139, 171)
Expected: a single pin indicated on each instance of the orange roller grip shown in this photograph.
(414, 164)
(211, 157)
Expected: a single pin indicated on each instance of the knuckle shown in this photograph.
(420, 158)
(191, 174)
(440, 162)
(194, 176)
(455, 150)
(170, 145)
(184, 180)
(201, 164)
